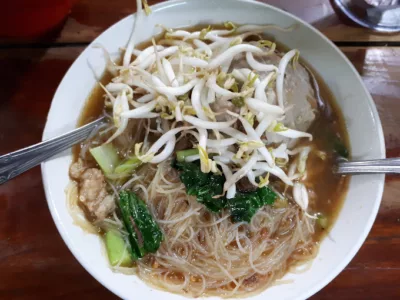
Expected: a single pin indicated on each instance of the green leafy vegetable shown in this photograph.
(106, 157)
(245, 205)
(128, 165)
(144, 235)
(116, 249)
(334, 141)
(181, 155)
(205, 186)
(202, 185)
(340, 148)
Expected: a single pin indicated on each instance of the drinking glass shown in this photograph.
(379, 15)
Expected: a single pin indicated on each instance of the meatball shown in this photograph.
(92, 190)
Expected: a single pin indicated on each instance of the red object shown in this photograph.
(28, 18)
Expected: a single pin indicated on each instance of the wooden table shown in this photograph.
(34, 261)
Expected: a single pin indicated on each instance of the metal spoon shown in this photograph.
(16, 163)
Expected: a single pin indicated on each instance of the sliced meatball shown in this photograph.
(299, 93)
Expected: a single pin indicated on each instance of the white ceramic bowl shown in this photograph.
(362, 120)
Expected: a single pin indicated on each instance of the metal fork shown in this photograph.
(18, 162)
(377, 166)
(386, 166)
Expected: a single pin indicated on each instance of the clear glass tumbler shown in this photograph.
(379, 15)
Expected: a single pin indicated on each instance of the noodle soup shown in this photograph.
(212, 175)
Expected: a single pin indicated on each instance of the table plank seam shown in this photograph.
(367, 44)
(38, 45)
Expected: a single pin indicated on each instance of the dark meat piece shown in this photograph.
(184, 143)
(244, 185)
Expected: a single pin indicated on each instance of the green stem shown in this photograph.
(128, 166)
(181, 155)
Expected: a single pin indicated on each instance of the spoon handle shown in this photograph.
(17, 162)
(378, 166)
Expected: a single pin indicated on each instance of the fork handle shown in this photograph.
(17, 162)
(378, 166)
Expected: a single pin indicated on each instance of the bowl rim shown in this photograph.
(380, 140)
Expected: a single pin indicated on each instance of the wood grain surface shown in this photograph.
(89, 18)
(34, 261)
